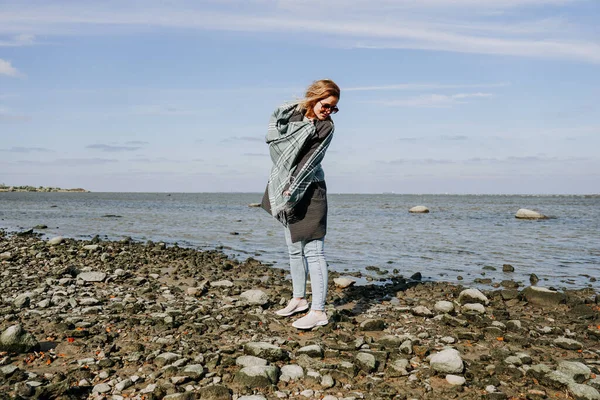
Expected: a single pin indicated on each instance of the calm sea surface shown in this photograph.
(459, 237)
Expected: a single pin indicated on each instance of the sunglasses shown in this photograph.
(329, 107)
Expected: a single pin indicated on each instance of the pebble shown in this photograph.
(455, 380)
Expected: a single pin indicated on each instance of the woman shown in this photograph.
(298, 136)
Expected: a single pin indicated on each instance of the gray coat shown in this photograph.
(309, 219)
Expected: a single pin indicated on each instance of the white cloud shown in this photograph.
(466, 26)
(7, 69)
(10, 116)
(433, 100)
(422, 86)
(18, 40)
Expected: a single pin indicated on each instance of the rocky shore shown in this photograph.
(125, 320)
(4, 188)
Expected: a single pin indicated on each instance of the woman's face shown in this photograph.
(324, 108)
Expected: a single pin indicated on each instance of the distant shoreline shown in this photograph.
(4, 188)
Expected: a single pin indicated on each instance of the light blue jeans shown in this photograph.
(308, 257)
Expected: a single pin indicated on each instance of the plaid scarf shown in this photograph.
(285, 140)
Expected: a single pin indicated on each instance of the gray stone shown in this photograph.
(101, 388)
(406, 347)
(216, 392)
(524, 357)
(398, 368)
(343, 282)
(448, 339)
(444, 306)
(124, 384)
(194, 371)
(543, 297)
(291, 373)
(524, 213)
(250, 361)
(314, 351)
(8, 370)
(166, 359)
(5, 256)
(447, 361)
(327, 382)
(23, 300)
(472, 296)
(92, 276)
(56, 240)
(568, 344)
(16, 340)
(422, 311)
(513, 360)
(583, 392)
(538, 371)
(419, 210)
(514, 325)
(91, 247)
(366, 362)
(455, 380)
(223, 283)
(390, 341)
(579, 372)
(252, 397)
(258, 376)
(372, 325)
(88, 301)
(265, 350)
(474, 308)
(254, 297)
(556, 380)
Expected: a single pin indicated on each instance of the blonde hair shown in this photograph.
(316, 92)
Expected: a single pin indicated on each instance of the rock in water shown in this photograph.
(16, 340)
(533, 279)
(524, 213)
(419, 210)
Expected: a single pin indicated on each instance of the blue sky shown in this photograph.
(438, 96)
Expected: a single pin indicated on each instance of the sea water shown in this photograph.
(464, 237)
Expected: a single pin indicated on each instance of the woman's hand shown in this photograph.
(287, 193)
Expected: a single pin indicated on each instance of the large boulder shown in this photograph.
(254, 297)
(265, 350)
(16, 340)
(472, 296)
(258, 376)
(447, 361)
(543, 297)
(524, 213)
(419, 210)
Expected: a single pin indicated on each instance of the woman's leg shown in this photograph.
(298, 268)
(315, 257)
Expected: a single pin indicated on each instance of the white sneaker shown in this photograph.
(293, 307)
(311, 320)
